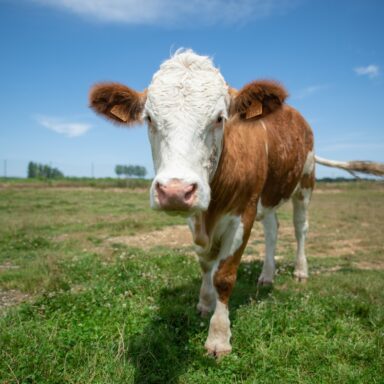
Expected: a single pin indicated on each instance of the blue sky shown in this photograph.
(328, 54)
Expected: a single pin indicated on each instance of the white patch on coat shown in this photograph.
(230, 232)
(260, 211)
(263, 211)
(184, 100)
(309, 163)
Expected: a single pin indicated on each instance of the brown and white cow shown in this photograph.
(226, 158)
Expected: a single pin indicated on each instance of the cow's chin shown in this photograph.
(177, 210)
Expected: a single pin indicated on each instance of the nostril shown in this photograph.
(190, 191)
(160, 189)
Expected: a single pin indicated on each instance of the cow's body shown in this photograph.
(264, 163)
(244, 153)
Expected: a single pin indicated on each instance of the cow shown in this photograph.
(224, 158)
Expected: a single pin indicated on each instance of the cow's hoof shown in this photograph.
(204, 310)
(218, 350)
(301, 277)
(301, 280)
(265, 281)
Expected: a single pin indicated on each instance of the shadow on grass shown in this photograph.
(174, 340)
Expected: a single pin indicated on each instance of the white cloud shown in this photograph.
(309, 91)
(163, 12)
(69, 129)
(370, 70)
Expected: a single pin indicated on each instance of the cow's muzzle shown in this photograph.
(176, 195)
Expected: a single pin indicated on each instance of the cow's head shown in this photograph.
(185, 107)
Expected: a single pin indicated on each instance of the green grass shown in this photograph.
(77, 182)
(101, 312)
(40, 228)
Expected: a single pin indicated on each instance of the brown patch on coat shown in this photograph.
(299, 195)
(308, 181)
(248, 171)
(245, 170)
(243, 164)
(289, 140)
(117, 102)
(225, 278)
(241, 172)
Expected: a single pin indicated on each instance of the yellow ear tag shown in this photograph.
(254, 110)
(117, 112)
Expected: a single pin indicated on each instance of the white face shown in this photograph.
(186, 107)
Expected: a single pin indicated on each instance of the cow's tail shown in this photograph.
(368, 167)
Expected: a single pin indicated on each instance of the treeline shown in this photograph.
(43, 171)
(130, 170)
(345, 179)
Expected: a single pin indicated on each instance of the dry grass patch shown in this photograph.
(176, 237)
(12, 297)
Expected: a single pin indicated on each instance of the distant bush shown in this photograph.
(130, 170)
(43, 171)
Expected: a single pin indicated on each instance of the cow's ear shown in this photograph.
(257, 99)
(117, 102)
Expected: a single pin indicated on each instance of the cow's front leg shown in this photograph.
(233, 242)
(218, 341)
(207, 298)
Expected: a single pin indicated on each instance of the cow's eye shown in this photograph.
(148, 118)
(219, 119)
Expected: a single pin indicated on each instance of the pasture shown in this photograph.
(97, 288)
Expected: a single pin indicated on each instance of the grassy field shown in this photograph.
(94, 288)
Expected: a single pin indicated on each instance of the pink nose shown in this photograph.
(176, 195)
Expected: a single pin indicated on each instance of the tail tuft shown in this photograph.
(368, 167)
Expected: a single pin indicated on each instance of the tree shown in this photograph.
(46, 171)
(32, 170)
(43, 171)
(130, 170)
(56, 174)
(127, 170)
(119, 170)
(140, 171)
